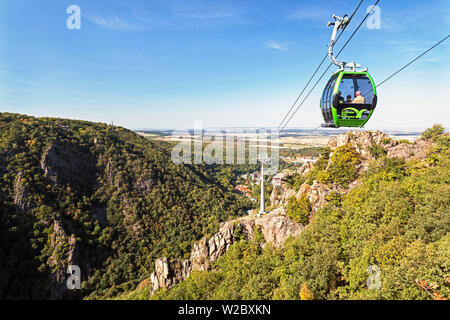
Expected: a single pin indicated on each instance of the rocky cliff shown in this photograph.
(59, 162)
(65, 252)
(275, 227)
(364, 143)
(21, 194)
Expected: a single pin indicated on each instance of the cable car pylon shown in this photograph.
(263, 159)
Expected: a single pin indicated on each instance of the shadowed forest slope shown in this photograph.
(97, 196)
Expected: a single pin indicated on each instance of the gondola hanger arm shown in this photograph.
(339, 23)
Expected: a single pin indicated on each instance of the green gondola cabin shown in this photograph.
(349, 99)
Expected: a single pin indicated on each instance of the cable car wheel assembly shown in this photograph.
(350, 97)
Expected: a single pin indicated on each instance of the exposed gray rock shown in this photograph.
(275, 227)
(21, 193)
(416, 151)
(65, 253)
(316, 194)
(61, 165)
(362, 141)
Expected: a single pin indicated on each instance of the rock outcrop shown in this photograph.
(65, 253)
(283, 193)
(60, 162)
(415, 151)
(21, 194)
(363, 142)
(275, 227)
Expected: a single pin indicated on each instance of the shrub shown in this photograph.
(319, 168)
(296, 181)
(305, 294)
(443, 140)
(387, 169)
(238, 232)
(259, 236)
(299, 209)
(322, 162)
(335, 198)
(434, 132)
(377, 151)
(343, 169)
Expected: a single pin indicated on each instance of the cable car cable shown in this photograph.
(414, 60)
(317, 69)
(404, 67)
(301, 93)
(329, 66)
(409, 63)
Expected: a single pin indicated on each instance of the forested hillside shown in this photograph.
(97, 196)
(396, 221)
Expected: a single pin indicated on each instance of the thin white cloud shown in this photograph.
(114, 23)
(138, 19)
(209, 13)
(276, 45)
(142, 18)
(431, 60)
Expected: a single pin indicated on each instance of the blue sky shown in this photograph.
(166, 64)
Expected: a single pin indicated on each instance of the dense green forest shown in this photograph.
(308, 151)
(101, 197)
(111, 201)
(398, 220)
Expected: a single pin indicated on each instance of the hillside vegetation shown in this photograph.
(396, 222)
(97, 196)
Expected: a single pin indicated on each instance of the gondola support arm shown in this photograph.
(339, 23)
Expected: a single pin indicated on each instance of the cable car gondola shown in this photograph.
(350, 96)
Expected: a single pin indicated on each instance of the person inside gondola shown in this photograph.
(349, 99)
(359, 98)
(341, 98)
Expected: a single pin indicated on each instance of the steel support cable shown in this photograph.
(320, 65)
(402, 68)
(411, 62)
(329, 66)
